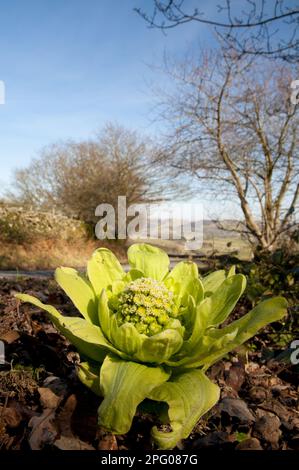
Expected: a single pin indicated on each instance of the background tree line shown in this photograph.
(75, 177)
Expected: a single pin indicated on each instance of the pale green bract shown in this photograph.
(152, 333)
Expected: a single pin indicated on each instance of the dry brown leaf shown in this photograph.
(43, 431)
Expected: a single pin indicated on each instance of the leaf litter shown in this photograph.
(43, 405)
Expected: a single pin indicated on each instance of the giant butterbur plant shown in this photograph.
(152, 333)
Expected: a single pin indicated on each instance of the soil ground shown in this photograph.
(43, 405)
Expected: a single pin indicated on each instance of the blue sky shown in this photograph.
(71, 65)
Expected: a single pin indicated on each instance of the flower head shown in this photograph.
(147, 304)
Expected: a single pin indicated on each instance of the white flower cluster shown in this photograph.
(146, 303)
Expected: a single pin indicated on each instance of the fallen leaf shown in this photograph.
(249, 444)
(107, 441)
(288, 416)
(11, 417)
(215, 439)
(10, 336)
(72, 443)
(56, 384)
(49, 399)
(258, 394)
(267, 428)
(236, 408)
(65, 415)
(43, 431)
(67, 440)
(235, 376)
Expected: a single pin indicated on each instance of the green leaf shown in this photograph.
(124, 385)
(198, 291)
(88, 338)
(213, 311)
(132, 275)
(266, 312)
(160, 347)
(218, 342)
(188, 316)
(104, 314)
(212, 281)
(150, 260)
(185, 282)
(125, 337)
(200, 316)
(231, 271)
(149, 349)
(189, 396)
(80, 291)
(116, 287)
(89, 374)
(103, 269)
(224, 299)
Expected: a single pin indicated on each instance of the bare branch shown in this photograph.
(259, 29)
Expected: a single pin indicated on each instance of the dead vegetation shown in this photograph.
(43, 406)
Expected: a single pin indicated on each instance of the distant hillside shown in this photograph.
(215, 241)
(210, 229)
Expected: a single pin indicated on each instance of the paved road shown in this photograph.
(48, 274)
(31, 274)
(19, 274)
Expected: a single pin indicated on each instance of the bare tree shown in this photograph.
(234, 129)
(258, 27)
(75, 177)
